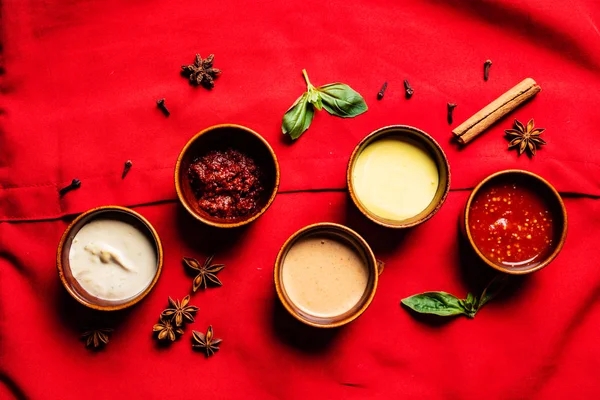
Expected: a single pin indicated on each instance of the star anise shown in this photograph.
(526, 138)
(96, 337)
(201, 72)
(166, 330)
(179, 311)
(206, 272)
(206, 342)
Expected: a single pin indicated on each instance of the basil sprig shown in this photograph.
(336, 98)
(446, 304)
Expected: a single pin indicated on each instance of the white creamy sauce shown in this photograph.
(395, 178)
(324, 276)
(112, 260)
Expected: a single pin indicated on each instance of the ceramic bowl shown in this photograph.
(222, 137)
(352, 238)
(435, 152)
(62, 258)
(547, 192)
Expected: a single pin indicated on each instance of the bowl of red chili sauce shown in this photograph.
(515, 221)
(227, 176)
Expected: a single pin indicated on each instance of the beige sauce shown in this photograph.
(395, 178)
(324, 276)
(112, 260)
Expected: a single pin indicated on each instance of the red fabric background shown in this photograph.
(78, 85)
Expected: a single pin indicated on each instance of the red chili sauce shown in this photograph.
(227, 183)
(511, 225)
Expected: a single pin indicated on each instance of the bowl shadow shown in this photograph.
(79, 318)
(476, 274)
(294, 333)
(205, 238)
(383, 241)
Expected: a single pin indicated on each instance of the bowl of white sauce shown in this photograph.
(109, 258)
(398, 176)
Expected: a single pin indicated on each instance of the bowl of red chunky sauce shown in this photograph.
(515, 221)
(227, 176)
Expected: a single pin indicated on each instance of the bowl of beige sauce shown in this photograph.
(109, 258)
(326, 275)
(398, 176)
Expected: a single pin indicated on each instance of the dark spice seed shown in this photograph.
(409, 90)
(382, 91)
(451, 107)
(75, 184)
(161, 104)
(486, 69)
(128, 165)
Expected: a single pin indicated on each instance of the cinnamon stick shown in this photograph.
(498, 108)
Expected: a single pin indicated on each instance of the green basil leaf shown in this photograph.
(470, 299)
(341, 100)
(314, 97)
(472, 303)
(494, 287)
(298, 117)
(438, 303)
(469, 305)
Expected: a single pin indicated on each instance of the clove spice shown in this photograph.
(161, 104)
(382, 91)
(451, 107)
(486, 69)
(126, 169)
(409, 90)
(75, 184)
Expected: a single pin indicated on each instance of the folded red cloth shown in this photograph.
(79, 88)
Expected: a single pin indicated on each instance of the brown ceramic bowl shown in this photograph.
(352, 238)
(222, 137)
(553, 201)
(436, 153)
(64, 247)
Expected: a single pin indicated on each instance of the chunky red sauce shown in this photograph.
(227, 183)
(511, 225)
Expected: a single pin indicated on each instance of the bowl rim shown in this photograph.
(563, 213)
(99, 210)
(355, 154)
(373, 266)
(179, 190)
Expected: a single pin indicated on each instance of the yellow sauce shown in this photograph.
(395, 178)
